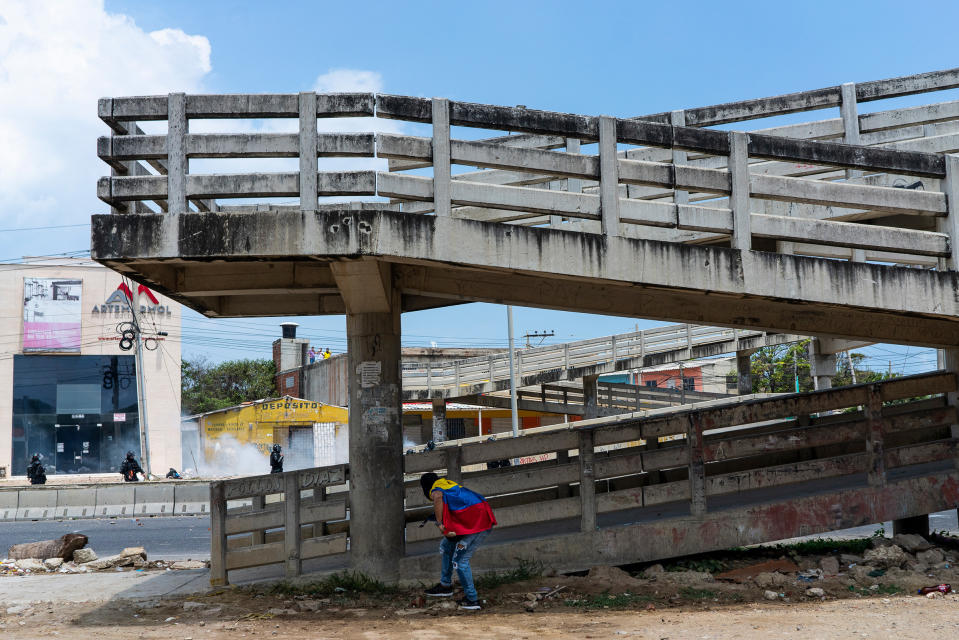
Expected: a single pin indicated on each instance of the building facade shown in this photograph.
(68, 374)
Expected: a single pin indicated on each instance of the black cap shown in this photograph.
(427, 480)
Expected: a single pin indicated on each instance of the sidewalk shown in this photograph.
(101, 587)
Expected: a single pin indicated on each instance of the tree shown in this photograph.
(844, 370)
(207, 387)
(774, 369)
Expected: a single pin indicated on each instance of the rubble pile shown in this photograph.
(86, 561)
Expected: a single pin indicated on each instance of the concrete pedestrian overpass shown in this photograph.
(843, 227)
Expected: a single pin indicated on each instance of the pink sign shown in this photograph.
(51, 315)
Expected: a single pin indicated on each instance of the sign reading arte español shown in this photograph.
(121, 300)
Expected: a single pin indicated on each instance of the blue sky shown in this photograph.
(618, 58)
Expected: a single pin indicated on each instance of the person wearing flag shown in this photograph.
(465, 519)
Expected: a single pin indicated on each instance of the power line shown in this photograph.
(57, 226)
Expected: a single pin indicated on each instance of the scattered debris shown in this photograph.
(63, 547)
(81, 556)
(885, 557)
(745, 573)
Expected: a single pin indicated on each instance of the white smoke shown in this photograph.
(228, 457)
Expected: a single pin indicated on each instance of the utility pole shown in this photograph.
(514, 405)
(682, 385)
(796, 368)
(852, 368)
(141, 397)
(535, 334)
(141, 393)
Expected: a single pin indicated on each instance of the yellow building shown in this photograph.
(238, 439)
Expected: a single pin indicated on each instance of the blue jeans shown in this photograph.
(456, 555)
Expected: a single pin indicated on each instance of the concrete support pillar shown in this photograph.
(917, 524)
(822, 366)
(744, 385)
(590, 397)
(376, 443)
(439, 420)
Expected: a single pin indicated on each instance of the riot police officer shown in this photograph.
(130, 468)
(276, 460)
(36, 472)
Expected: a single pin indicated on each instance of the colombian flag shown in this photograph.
(464, 511)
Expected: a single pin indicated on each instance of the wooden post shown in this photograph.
(608, 176)
(697, 467)
(291, 524)
(308, 151)
(587, 482)
(454, 464)
(739, 195)
(678, 119)
(573, 185)
(876, 465)
(177, 125)
(849, 111)
(950, 224)
(562, 490)
(218, 548)
(441, 157)
(259, 503)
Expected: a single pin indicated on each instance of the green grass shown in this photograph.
(525, 570)
(609, 601)
(697, 594)
(347, 582)
(823, 546)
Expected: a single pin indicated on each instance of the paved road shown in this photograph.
(176, 537)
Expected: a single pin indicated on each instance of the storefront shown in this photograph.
(68, 388)
(237, 440)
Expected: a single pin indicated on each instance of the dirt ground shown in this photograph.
(818, 589)
(244, 617)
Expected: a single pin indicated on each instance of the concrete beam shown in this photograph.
(365, 285)
(582, 272)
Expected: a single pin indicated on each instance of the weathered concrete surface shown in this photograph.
(377, 520)
(671, 537)
(440, 260)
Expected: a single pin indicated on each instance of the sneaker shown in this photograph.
(439, 590)
(472, 605)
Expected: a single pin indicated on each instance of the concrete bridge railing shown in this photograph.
(674, 461)
(575, 359)
(822, 212)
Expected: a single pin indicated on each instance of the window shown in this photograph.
(651, 383)
(79, 412)
(689, 384)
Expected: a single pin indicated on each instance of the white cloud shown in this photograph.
(56, 60)
(333, 81)
(347, 80)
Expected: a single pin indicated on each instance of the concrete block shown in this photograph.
(191, 499)
(154, 500)
(37, 504)
(115, 500)
(76, 503)
(8, 505)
